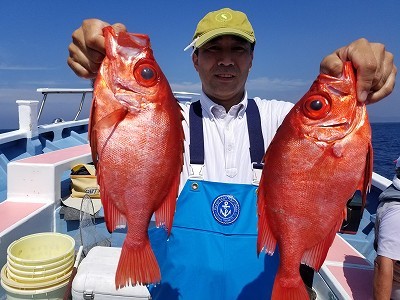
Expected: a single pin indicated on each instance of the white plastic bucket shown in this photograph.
(38, 266)
(52, 292)
(34, 285)
(40, 276)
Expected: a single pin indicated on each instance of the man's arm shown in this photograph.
(383, 278)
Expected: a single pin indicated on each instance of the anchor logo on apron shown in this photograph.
(225, 209)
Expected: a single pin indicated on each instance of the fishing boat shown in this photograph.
(35, 164)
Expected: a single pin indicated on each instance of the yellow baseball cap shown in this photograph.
(222, 22)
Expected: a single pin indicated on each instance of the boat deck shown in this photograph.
(13, 212)
(34, 177)
(346, 272)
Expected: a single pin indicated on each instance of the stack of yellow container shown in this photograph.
(38, 266)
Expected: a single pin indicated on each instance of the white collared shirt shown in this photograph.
(226, 138)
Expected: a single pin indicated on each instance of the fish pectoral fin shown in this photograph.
(92, 134)
(345, 213)
(315, 256)
(365, 186)
(165, 213)
(112, 119)
(108, 121)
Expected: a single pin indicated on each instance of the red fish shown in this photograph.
(319, 157)
(136, 138)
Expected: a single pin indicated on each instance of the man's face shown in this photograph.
(223, 65)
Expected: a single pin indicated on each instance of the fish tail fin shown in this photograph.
(265, 239)
(280, 292)
(165, 213)
(284, 290)
(315, 256)
(137, 266)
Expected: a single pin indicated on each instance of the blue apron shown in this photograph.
(211, 252)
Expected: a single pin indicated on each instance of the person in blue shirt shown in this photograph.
(211, 252)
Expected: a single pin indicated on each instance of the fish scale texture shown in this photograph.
(136, 137)
(320, 156)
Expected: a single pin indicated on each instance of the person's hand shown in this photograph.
(87, 50)
(374, 65)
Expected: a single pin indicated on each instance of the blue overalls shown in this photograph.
(211, 252)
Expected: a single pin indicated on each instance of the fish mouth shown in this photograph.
(342, 125)
(129, 100)
(331, 132)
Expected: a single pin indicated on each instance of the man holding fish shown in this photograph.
(211, 252)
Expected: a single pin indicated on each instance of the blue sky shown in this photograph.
(292, 38)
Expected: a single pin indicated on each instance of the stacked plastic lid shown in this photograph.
(38, 263)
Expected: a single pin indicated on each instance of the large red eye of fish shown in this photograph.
(145, 74)
(316, 107)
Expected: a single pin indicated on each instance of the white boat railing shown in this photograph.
(47, 91)
(380, 182)
(29, 115)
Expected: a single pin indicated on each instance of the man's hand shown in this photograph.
(374, 66)
(87, 50)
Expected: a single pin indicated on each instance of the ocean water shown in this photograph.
(386, 144)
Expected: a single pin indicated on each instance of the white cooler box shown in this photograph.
(95, 278)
